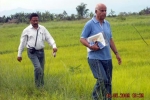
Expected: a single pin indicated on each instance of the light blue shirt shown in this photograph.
(93, 27)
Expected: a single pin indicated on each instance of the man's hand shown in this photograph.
(94, 47)
(19, 59)
(54, 52)
(54, 49)
(118, 58)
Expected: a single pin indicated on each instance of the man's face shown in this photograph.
(34, 22)
(101, 13)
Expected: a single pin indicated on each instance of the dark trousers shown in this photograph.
(102, 71)
(38, 61)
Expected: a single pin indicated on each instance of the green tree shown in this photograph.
(45, 16)
(81, 10)
(65, 14)
(145, 11)
(112, 13)
(3, 19)
(91, 14)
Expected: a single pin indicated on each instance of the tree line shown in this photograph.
(82, 12)
(145, 11)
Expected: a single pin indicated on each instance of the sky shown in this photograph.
(70, 5)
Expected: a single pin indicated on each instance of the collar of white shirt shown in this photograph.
(30, 26)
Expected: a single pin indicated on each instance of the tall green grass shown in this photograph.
(68, 76)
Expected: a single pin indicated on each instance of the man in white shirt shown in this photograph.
(33, 38)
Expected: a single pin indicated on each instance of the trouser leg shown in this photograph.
(108, 70)
(42, 62)
(102, 74)
(99, 91)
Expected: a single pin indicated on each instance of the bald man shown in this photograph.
(99, 57)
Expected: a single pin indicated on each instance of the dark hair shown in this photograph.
(33, 15)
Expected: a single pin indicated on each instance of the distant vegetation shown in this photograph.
(82, 12)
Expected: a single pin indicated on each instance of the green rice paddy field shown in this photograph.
(68, 76)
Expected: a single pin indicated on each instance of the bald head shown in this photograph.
(99, 6)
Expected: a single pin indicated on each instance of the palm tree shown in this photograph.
(81, 10)
(65, 14)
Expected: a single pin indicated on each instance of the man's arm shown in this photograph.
(23, 42)
(50, 41)
(114, 49)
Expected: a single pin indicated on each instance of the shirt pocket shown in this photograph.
(31, 36)
(41, 36)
